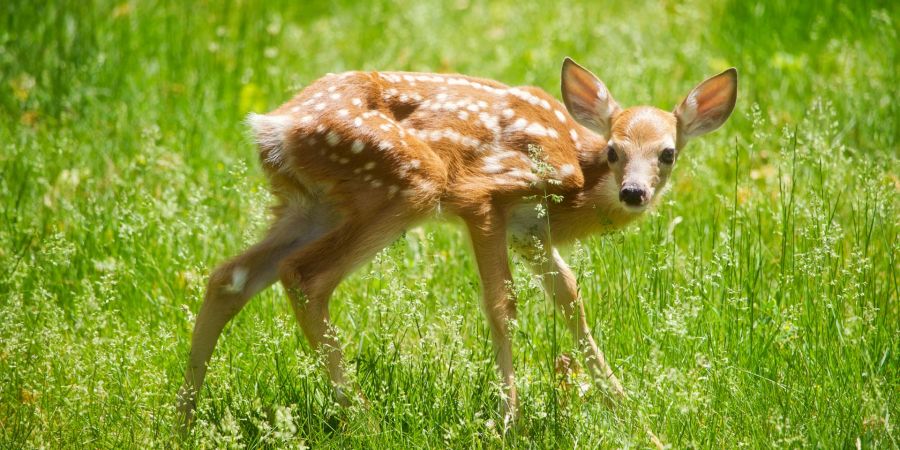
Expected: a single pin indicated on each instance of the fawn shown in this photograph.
(356, 158)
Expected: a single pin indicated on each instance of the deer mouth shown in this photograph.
(635, 209)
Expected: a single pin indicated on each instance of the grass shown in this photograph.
(757, 307)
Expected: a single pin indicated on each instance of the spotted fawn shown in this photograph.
(356, 158)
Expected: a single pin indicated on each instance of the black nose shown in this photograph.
(632, 195)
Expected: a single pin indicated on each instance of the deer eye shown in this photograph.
(667, 156)
(611, 154)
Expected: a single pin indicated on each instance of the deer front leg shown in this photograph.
(488, 236)
(559, 283)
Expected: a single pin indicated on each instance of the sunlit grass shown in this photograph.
(757, 307)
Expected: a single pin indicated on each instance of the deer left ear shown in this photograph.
(708, 105)
(587, 98)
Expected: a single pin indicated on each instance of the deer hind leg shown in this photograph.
(233, 283)
(311, 274)
(559, 283)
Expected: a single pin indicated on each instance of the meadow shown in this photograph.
(756, 307)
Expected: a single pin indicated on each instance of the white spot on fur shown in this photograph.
(508, 113)
(490, 122)
(357, 146)
(357, 122)
(332, 138)
(463, 115)
(470, 141)
(493, 164)
(369, 165)
(566, 170)
(426, 186)
(560, 115)
(320, 106)
(518, 125)
(238, 280)
(536, 129)
(356, 102)
(343, 113)
(492, 167)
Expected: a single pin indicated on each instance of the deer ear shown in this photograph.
(587, 98)
(708, 105)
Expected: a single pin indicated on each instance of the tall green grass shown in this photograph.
(757, 307)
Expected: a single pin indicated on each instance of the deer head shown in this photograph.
(643, 142)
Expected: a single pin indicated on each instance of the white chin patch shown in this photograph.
(634, 209)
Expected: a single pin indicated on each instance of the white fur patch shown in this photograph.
(238, 280)
(490, 122)
(518, 125)
(269, 133)
(689, 111)
(332, 138)
(536, 129)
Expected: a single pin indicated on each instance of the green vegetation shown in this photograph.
(757, 307)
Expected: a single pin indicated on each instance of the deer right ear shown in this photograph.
(587, 98)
